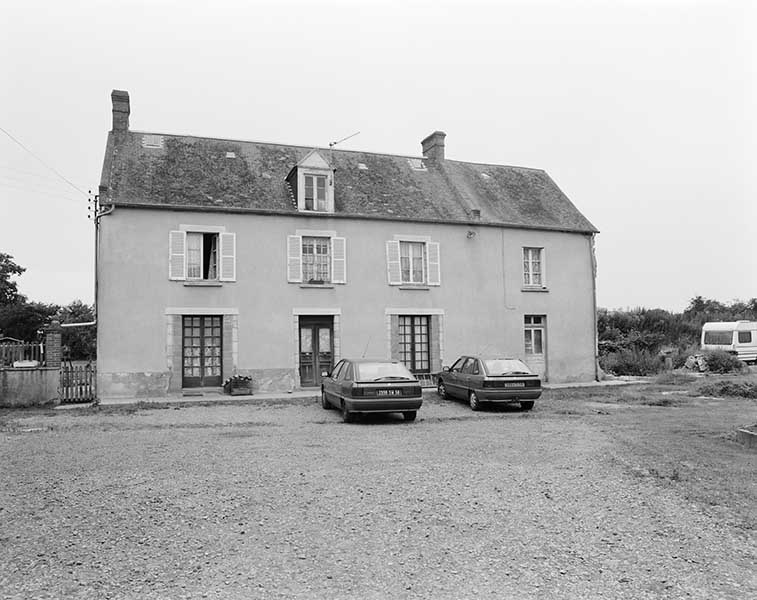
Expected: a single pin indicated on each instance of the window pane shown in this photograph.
(745, 337)
(194, 255)
(528, 343)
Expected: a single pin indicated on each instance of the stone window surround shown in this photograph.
(173, 320)
(438, 313)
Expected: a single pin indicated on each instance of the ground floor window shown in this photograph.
(414, 347)
(201, 351)
(534, 334)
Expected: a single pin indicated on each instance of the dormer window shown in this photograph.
(311, 182)
(315, 193)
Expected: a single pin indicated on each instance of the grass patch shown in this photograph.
(723, 388)
(675, 378)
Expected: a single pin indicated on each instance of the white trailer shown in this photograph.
(735, 337)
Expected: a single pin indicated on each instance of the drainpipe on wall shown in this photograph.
(593, 254)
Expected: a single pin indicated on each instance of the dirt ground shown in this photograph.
(640, 491)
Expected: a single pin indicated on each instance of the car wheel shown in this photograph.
(526, 404)
(474, 402)
(441, 390)
(324, 401)
(409, 415)
(347, 416)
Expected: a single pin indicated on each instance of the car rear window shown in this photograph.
(505, 366)
(374, 371)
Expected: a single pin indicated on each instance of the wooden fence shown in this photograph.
(77, 384)
(21, 351)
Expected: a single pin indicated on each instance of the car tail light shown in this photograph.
(357, 391)
(413, 391)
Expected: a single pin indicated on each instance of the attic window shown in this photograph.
(152, 141)
(231, 155)
(362, 166)
(416, 164)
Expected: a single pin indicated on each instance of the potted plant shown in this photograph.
(238, 385)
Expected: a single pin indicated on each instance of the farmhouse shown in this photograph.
(217, 257)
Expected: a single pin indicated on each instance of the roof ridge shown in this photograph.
(480, 164)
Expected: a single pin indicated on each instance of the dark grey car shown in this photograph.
(477, 379)
(357, 386)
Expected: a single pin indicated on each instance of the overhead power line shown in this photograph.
(44, 163)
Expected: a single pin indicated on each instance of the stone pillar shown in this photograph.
(53, 341)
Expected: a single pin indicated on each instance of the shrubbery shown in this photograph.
(720, 361)
(636, 341)
(631, 361)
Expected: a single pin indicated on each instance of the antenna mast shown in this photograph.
(332, 144)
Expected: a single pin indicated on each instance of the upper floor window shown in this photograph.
(413, 261)
(195, 254)
(315, 192)
(533, 267)
(202, 255)
(316, 257)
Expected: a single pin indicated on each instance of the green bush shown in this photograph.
(720, 361)
(742, 389)
(631, 362)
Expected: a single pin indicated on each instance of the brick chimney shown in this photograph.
(433, 146)
(121, 110)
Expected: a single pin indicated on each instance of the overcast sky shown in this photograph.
(643, 112)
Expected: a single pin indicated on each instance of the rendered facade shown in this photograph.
(218, 257)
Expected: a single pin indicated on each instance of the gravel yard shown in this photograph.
(639, 492)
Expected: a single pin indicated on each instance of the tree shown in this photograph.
(8, 289)
(79, 342)
(22, 320)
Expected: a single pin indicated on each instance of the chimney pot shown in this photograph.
(121, 110)
(433, 146)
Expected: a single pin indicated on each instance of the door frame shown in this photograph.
(313, 324)
(336, 334)
(184, 379)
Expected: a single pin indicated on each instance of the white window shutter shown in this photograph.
(177, 255)
(434, 266)
(393, 268)
(228, 266)
(294, 258)
(338, 260)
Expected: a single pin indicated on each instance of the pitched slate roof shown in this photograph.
(155, 169)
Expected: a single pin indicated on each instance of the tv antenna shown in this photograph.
(332, 144)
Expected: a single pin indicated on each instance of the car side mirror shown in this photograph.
(324, 373)
(445, 369)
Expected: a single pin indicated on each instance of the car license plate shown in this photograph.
(388, 392)
(515, 384)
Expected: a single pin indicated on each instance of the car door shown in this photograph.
(452, 378)
(344, 384)
(330, 382)
(465, 376)
(476, 376)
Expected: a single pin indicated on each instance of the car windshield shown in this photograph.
(382, 371)
(506, 366)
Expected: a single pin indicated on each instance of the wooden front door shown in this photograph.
(202, 351)
(316, 348)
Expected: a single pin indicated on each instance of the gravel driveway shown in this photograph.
(286, 501)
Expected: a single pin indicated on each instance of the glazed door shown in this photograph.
(201, 353)
(316, 349)
(535, 342)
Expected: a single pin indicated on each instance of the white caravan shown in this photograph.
(735, 337)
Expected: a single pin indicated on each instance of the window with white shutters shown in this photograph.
(201, 256)
(316, 259)
(413, 263)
